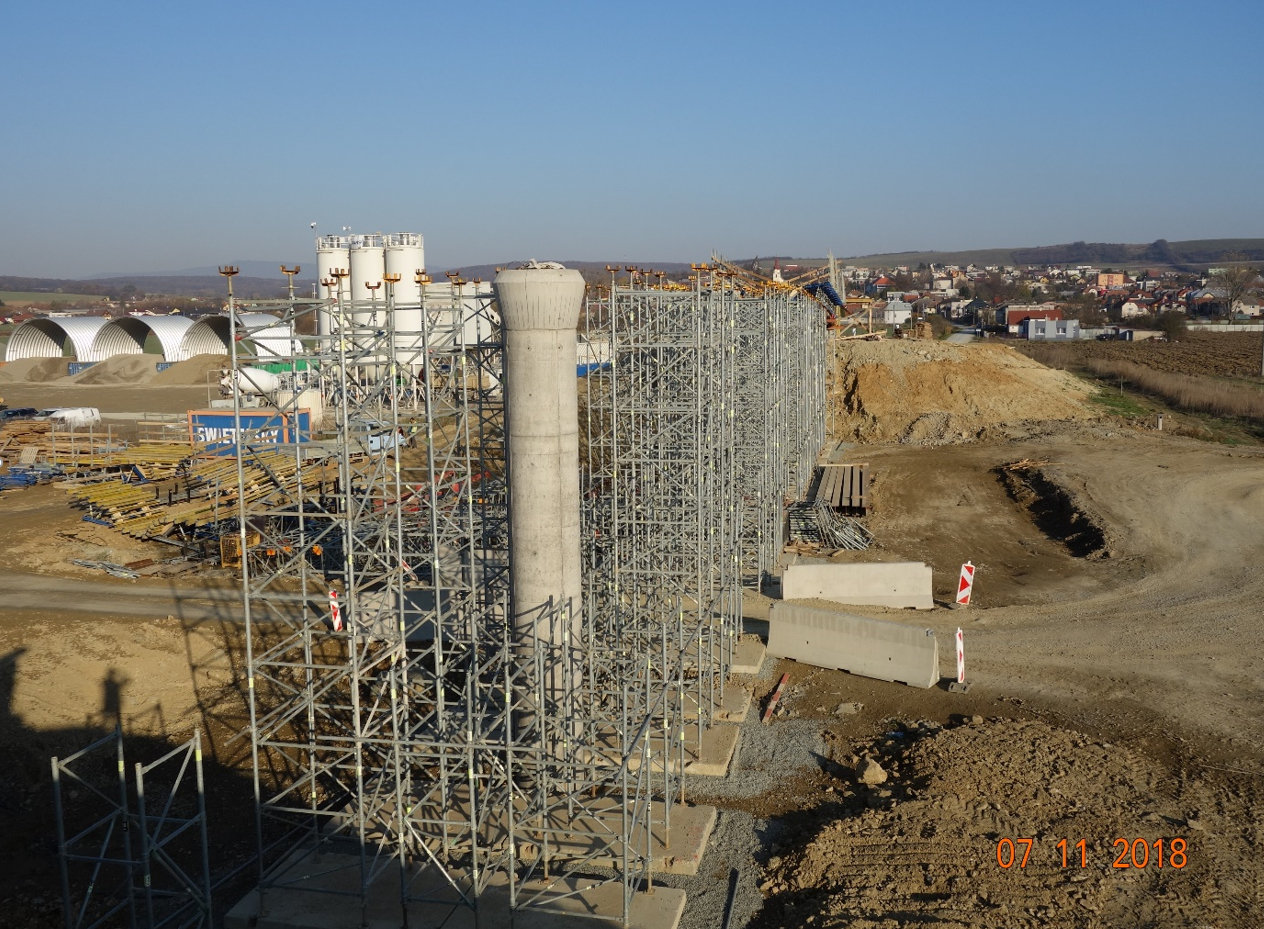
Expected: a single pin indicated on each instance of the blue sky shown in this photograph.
(156, 136)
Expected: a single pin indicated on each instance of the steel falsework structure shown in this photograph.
(704, 424)
(387, 690)
(134, 850)
(384, 678)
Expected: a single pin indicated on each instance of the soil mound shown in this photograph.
(191, 373)
(932, 393)
(119, 369)
(33, 370)
(923, 849)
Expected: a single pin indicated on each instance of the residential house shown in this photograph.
(897, 313)
(1015, 313)
(1049, 330)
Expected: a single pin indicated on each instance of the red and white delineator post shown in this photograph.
(966, 585)
(959, 686)
(335, 613)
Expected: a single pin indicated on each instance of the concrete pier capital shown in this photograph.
(539, 298)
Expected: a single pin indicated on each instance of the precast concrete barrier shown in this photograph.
(899, 584)
(878, 648)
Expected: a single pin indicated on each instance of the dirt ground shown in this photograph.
(1113, 649)
(1116, 696)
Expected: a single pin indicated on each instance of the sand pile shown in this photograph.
(118, 369)
(931, 393)
(33, 370)
(191, 373)
(921, 849)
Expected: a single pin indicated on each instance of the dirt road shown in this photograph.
(42, 592)
(1167, 617)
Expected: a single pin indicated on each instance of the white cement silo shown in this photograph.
(405, 256)
(368, 264)
(331, 252)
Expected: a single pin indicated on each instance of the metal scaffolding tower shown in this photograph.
(136, 847)
(408, 742)
(384, 677)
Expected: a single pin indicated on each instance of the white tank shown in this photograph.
(257, 381)
(405, 256)
(331, 252)
(368, 264)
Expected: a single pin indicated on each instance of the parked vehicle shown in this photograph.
(20, 412)
(72, 415)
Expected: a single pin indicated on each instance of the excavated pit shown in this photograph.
(1053, 509)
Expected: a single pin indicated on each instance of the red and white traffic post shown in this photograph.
(961, 657)
(335, 613)
(959, 686)
(966, 585)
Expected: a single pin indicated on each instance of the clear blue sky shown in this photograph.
(158, 136)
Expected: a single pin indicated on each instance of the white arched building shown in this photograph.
(49, 338)
(92, 338)
(128, 335)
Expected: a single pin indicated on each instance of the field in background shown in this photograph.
(1211, 354)
(21, 298)
(1213, 376)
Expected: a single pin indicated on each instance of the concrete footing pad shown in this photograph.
(731, 708)
(710, 758)
(748, 655)
(714, 756)
(674, 850)
(569, 903)
(311, 895)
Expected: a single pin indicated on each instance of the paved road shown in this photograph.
(960, 338)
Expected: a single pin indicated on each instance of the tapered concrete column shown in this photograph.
(539, 309)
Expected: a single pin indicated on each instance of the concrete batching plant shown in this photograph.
(357, 270)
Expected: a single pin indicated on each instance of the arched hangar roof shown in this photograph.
(212, 335)
(48, 338)
(93, 338)
(127, 336)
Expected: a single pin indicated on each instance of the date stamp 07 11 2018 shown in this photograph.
(1129, 853)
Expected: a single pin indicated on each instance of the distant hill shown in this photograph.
(263, 280)
(174, 286)
(208, 285)
(590, 268)
(260, 269)
(211, 284)
(1192, 255)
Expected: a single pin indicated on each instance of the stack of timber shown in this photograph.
(23, 433)
(843, 487)
(201, 494)
(85, 452)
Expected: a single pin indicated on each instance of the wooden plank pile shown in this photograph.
(22, 433)
(843, 487)
(203, 492)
